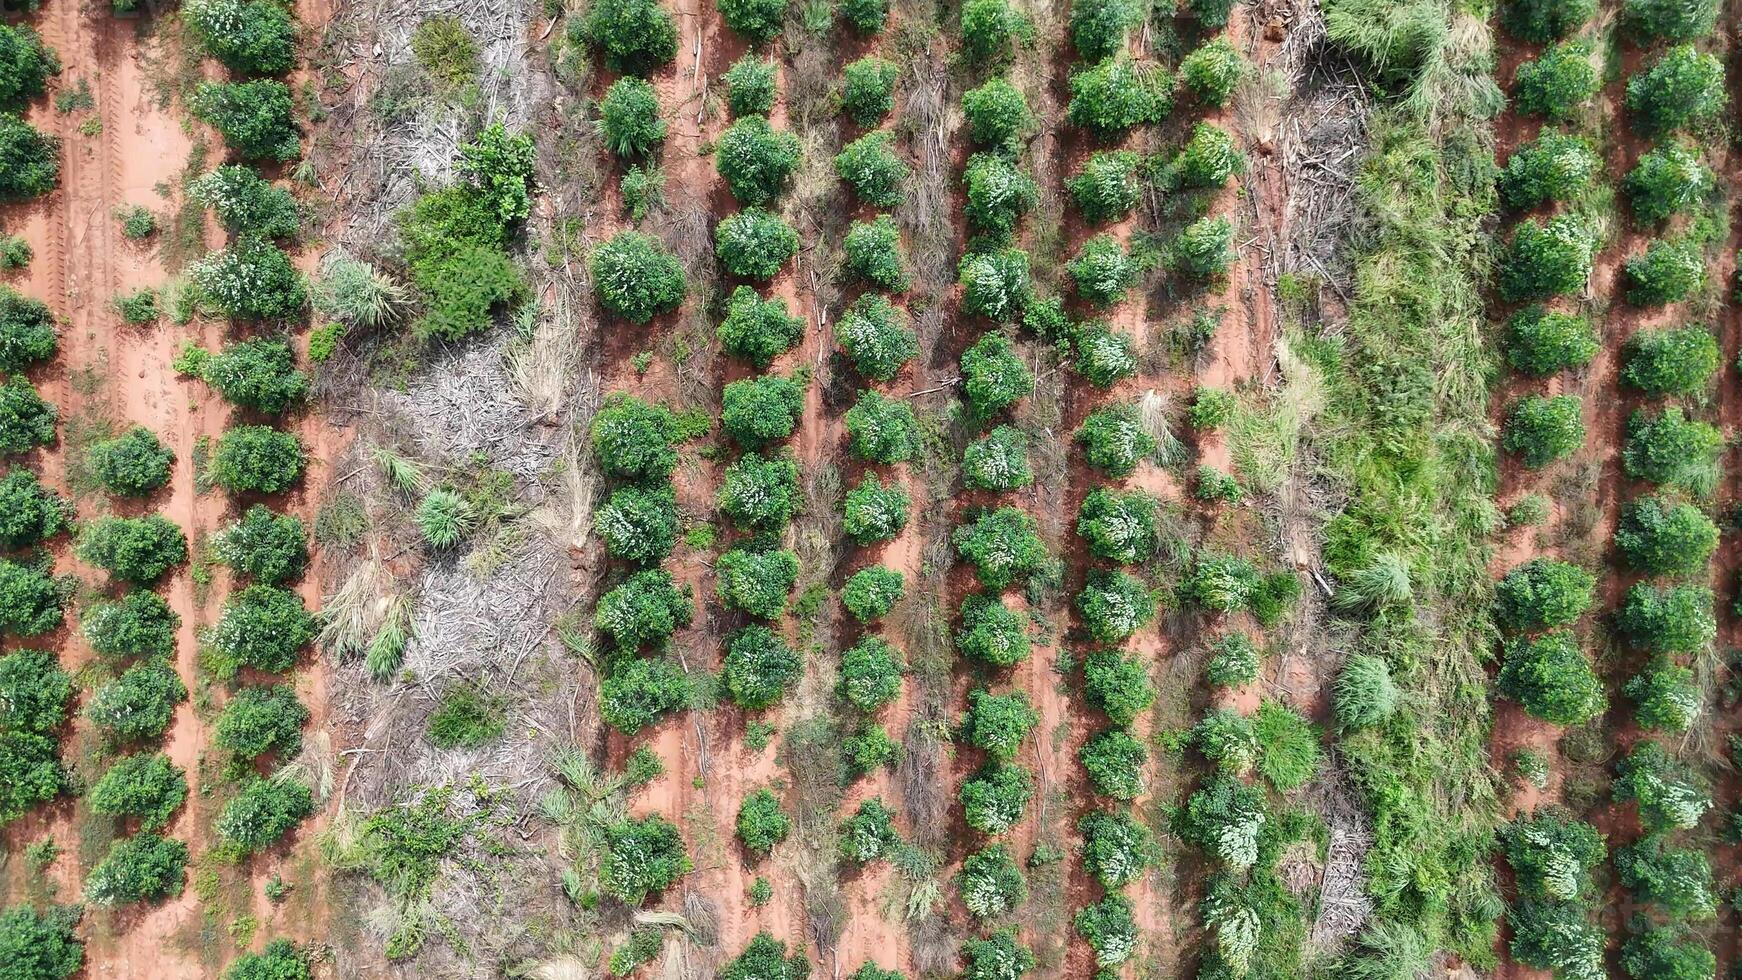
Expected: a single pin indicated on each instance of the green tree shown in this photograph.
(141, 868)
(636, 36)
(1666, 953)
(998, 461)
(1557, 82)
(133, 549)
(1670, 619)
(869, 833)
(1118, 525)
(1225, 818)
(636, 278)
(990, 28)
(882, 429)
(997, 723)
(866, 17)
(758, 21)
(633, 439)
(870, 167)
(1670, 361)
(1234, 661)
(1542, 593)
(1669, 794)
(260, 719)
(765, 958)
(638, 524)
(1098, 27)
(754, 244)
(1208, 160)
(750, 86)
(1118, 685)
(280, 960)
(249, 37)
(1107, 186)
(247, 204)
(629, 118)
(1111, 97)
(996, 957)
(41, 946)
(991, 883)
(1542, 429)
(256, 459)
(1540, 21)
(34, 692)
(30, 773)
(756, 160)
(1664, 537)
(1552, 167)
(1116, 848)
(145, 785)
(870, 674)
(1552, 679)
(995, 285)
(26, 64)
(1547, 260)
(1668, 272)
(1114, 439)
(30, 513)
(994, 376)
(1109, 929)
(1115, 605)
(139, 624)
(756, 411)
(872, 251)
(992, 632)
(639, 692)
(1212, 71)
(139, 703)
(998, 194)
(870, 593)
(1668, 180)
(762, 823)
(133, 464)
(26, 421)
(758, 330)
(1667, 696)
(1203, 249)
(1004, 545)
(1683, 89)
(1103, 271)
(759, 493)
(263, 627)
(994, 798)
(1669, 20)
(1114, 761)
(264, 546)
(1105, 356)
(1670, 449)
(868, 89)
(257, 119)
(29, 160)
(756, 583)
(262, 813)
(1542, 342)
(759, 668)
(997, 114)
(30, 600)
(875, 337)
(645, 610)
(27, 329)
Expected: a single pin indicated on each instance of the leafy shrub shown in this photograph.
(870, 167)
(636, 278)
(1109, 929)
(1663, 537)
(1105, 356)
(994, 376)
(15, 252)
(26, 421)
(755, 411)
(882, 429)
(995, 285)
(1552, 167)
(759, 668)
(1667, 953)
(251, 280)
(1547, 260)
(1556, 936)
(1209, 159)
(139, 624)
(1540, 21)
(642, 189)
(1226, 739)
(1673, 619)
(248, 204)
(870, 749)
(998, 115)
(31, 158)
(249, 37)
(1118, 685)
(1683, 89)
(871, 592)
(994, 798)
(1667, 696)
(869, 833)
(1365, 692)
(257, 720)
(25, 65)
(646, 609)
(636, 36)
(1667, 180)
(997, 723)
(280, 960)
(629, 118)
(1234, 661)
(1669, 20)
(997, 462)
(1004, 545)
(996, 957)
(1116, 848)
(873, 512)
(1552, 856)
(750, 86)
(633, 439)
(264, 546)
(1288, 746)
(1671, 449)
(761, 821)
(263, 627)
(138, 704)
(990, 27)
(1542, 593)
(1114, 761)
(145, 785)
(868, 89)
(866, 17)
(1111, 97)
(133, 549)
(991, 883)
(257, 374)
(754, 244)
(1669, 794)
(1556, 83)
(30, 513)
(992, 632)
(32, 773)
(1541, 429)
(1225, 818)
(137, 307)
(141, 868)
(34, 692)
(872, 251)
(257, 119)
(1211, 71)
(27, 330)
(875, 336)
(1552, 679)
(756, 329)
(1115, 605)
(766, 959)
(759, 493)
(1114, 439)
(1102, 271)
(1668, 272)
(41, 946)
(999, 193)
(758, 21)
(1107, 186)
(638, 524)
(756, 583)
(1204, 249)
(870, 674)
(638, 693)
(30, 600)
(756, 160)
(1671, 361)
(641, 857)
(256, 459)
(1098, 27)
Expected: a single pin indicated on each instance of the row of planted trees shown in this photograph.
(130, 628)
(1665, 621)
